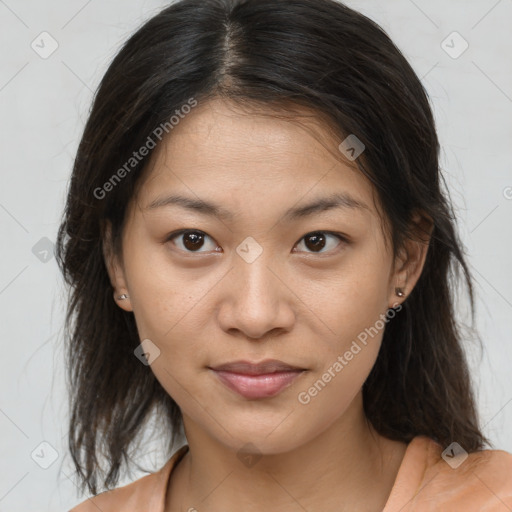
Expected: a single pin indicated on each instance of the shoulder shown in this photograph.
(125, 497)
(145, 494)
(455, 480)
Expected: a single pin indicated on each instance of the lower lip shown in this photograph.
(258, 386)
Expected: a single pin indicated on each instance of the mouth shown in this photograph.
(257, 380)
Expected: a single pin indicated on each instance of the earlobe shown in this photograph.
(115, 270)
(399, 279)
(123, 301)
(411, 256)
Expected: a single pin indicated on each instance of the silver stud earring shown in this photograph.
(399, 292)
(122, 297)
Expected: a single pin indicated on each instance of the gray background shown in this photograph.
(43, 106)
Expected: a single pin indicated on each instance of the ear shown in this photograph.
(115, 269)
(410, 259)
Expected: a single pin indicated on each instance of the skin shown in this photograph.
(291, 303)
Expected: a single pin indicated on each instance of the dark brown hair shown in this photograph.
(312, 53)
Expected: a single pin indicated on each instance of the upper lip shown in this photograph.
(261, 368)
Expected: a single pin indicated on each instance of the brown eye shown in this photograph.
(192, 241)
(317, 241)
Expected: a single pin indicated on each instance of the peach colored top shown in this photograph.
(424, 483)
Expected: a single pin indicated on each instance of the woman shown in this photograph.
(261, 255)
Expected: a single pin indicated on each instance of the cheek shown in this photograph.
(352, 299)
(353, 307)
(346, 356)
(163, 296)
(169, 307)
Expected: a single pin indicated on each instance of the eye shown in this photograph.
(319, 240)
(192, 241)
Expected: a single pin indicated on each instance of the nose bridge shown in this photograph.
(258, 303)
(257, 284)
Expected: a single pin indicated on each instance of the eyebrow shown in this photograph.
(341, 200)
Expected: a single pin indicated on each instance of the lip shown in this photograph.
(261, 368)
(257, 380)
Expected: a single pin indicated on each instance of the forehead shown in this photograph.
(222, 151)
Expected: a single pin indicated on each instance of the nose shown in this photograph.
(256, 302)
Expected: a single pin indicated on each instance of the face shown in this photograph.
(256, 275)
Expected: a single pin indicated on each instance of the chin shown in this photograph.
(263, 436)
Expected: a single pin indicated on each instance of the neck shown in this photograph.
(349, 466)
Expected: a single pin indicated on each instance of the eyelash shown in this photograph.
(176, 234)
